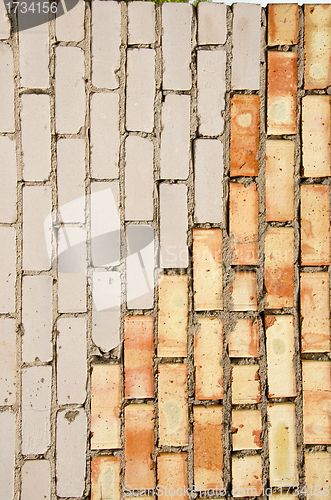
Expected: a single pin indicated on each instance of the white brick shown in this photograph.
(141, 16)
(33, 54)
(69, 89)
(208, 170)
(211, 98)
(7, 123)
(36, 480)
(176, 45)
(37, 318)
(211, 23)
(4, 22)
(36, 137)
(70, 25)
(36, 230)
(175, 137)
(71, 369)
(106, 39)
(105, 136)
(7, 361)
(7, 269)
(140, 90)
(246, 46)
(72, 264)
(139, 181)
(36, 409)
(173, 226)
(7, 454)
(8, 178)
(70, 467)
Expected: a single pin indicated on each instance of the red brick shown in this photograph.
(245, 384)
(283, 25)
(244, 339)
(244, 291)
(317, 46)
(105, 477)
(316, 133)
(246, 430)
(172, 475)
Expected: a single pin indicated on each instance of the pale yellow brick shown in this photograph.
(246, 476)
(317, 39)
(318, 474)
(105, 477)
(246, 430)
(244, 339)
(316, 131)
(244, 291)
(245, 384)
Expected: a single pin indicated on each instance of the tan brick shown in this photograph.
(139, 446)
(36, 480)
(246, 476)
(318, 473)
(316, 131)
(70, 26)
(244, 213)
(8, 177)
(280, 356)
(246, 430)
(176, 46)
(315, 312)
(138, 356)
(208, 447)
(33, 53)
(4, 23)
(279, 267)
(172, 475)
(244, 142)
(141, 18)
(283, 24)
(105, 406)
(105, 477)
(208, 353)
(7, 361)
(315, 227)
(243, 291)
(6, 89)
(317, 46)
(172, 316)
(282, 445)
(244, 339)
(173, 410)
(211, 23)
(279, 181)
(7, 453)
(7, 269)
(245, 384)
(316, 402)
(282, 93)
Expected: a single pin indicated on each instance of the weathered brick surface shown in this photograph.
(211, 23)
(172, 475)
(7, 362)
(245, 384)
(33, 53)
(141, 22)
(316, 136)
(243, 339)
(246, 430)
(105, 475)
(243, 291)
(247, 475)
(71, 26)
(36, 479)
(318, 471)
(283, 24)
(6, 89)
(317, 46)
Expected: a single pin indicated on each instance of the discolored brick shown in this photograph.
(316, 131)
(243, 291)
(245, 384)
(246, 476)
(318, 473)
(105, 477)
(283, 24)
(243, 339)
(246, 430)
(317, 46)
(172, 475)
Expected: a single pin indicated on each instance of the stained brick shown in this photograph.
(315, 312)
(36, 480)
(7, 361)
(8, 179)
(7, 453)
(208, 447)
(317, 46)
(211, 23)
(33, 53)
(318, 472)
(246, 476)
(139, 445)
(7, 269)
(244, 339)
(141, 17)
(105, 476)
(279, 181)
(315, 230)
(280, 356)
(246, 430)
(244, 212)
(176, 46)
(172, 316)
(172, 475)
(70, 26)
(208, 353)
(105, 406)
(316, 133)
(6, 89)
(4, 23)
(243, 291)
(244, 140)
(245, 384)
(173, 410)
(279, 267)
(283, 24)
(282, 93)
(138, 356)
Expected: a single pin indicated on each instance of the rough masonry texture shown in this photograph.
(165, 243)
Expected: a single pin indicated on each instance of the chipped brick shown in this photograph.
(246, 430)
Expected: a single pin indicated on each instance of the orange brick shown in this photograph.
(138, 356)
(317, 41)
(283, 24)
(139, 446)
(173, 410)
(244, 291)
(315, 312)
(208, 447)
(246, 430)
(244, 143)
(316, 402)
(244, 213)
(172, 475)
(208, 351)
(282, 93)
(280, 356)
(245, 384)
(246, 476)
(244, 339)
(105, 477)
(106, 406)
(316, 132)
(207, 269)
(282, 445)
(315, 225)
(318, 474)
(279, 181)
(279, 267)
(172, 316)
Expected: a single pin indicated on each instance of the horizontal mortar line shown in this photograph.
(13, 407)
(246, 453)
(305, 92)
(284, 399)
(282, 48)
(35, 91)
(210, 46)
(138, 133)
(165, 92)
(47, 182)
(64, 135)
(171, 448)
(316, 447)
(96, 180)
(288, 223)
(162, 360)
(8, 224)
(313, 269)
(285, 137)
(32, 364)
(7, 315)
(46, 272)
(283, 310)
(325, 180)
(11, 135)
(247, 406)
(243, 360)
(152, 46)
(98, 452)
(315, 356)
(102, 90)
(218, 137)
(80, 314)
(234, 92)
(66, 43)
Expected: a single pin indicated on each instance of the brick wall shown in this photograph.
(164, 279)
